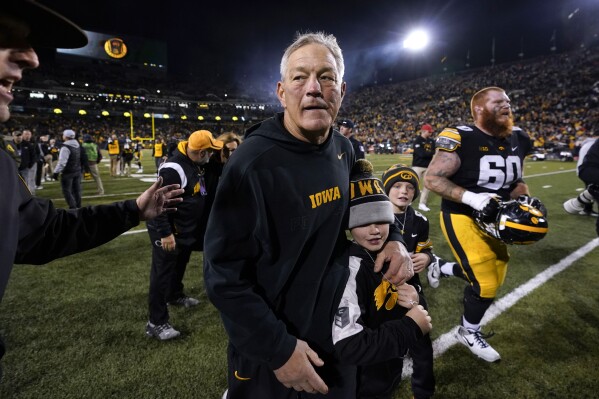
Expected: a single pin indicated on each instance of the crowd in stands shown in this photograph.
(555, 99)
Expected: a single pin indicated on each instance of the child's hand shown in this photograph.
(420, 261)
(407, 296)
(421, 317)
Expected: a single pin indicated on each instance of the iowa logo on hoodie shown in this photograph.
(328, 195)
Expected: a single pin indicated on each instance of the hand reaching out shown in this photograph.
(157, 200)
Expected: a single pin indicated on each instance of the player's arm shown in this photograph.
(442, 167)
(446, 164)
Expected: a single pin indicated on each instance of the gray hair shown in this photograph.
(322, 38)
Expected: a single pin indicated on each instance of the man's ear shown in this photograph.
(281, 94)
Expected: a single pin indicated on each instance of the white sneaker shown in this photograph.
(162, 332)
(423, 207)
(474, 340)
(573, 206)
(434, 273)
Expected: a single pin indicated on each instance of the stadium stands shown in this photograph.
(555, 98)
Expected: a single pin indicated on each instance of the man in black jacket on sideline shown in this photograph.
(175, 236)
(34, 231)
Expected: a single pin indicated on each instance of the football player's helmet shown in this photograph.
(516, 223)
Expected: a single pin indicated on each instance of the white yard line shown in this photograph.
(550, 173)
(126, 233)
(447, 340)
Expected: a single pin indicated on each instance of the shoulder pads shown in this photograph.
(448, 140)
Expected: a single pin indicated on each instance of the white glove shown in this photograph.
(477, 201)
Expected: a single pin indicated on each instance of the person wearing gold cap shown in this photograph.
(174, 236)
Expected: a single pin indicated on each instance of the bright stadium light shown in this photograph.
(82, 112)
(416, 40)
(200, 118)
(105, 113)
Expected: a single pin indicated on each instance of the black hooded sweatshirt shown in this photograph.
(275, 230)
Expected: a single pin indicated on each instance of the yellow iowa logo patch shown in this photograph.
(361, 188)
(328, 195)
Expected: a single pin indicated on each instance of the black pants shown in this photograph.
(166, 278)
(252, 380)
(380, 381)
(423, 377)
(71, 189)
(39, 172)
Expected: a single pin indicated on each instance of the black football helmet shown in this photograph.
(516, 223)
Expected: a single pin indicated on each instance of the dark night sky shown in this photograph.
(241, 40)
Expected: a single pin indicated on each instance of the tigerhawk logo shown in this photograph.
(328, 195)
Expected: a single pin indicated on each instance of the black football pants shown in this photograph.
(166, 278)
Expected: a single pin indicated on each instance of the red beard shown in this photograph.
(489, 122)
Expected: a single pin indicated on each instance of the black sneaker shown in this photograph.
(162, 332)
(185, 301)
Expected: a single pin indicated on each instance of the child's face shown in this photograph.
(401, 194)
(371, 236)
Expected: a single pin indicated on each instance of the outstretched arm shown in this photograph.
(47, 233)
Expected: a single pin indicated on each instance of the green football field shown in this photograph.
(75, 327)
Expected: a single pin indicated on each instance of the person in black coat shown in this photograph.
(33, 230)
(175, 236)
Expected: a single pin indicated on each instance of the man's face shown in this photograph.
(27, 135)
(426, 133)
(346, 131)
(311, 93)
(200, 157)
(496, 114)
(17, 138)
(16, 55)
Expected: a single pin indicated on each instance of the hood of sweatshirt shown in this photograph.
(274, 129)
